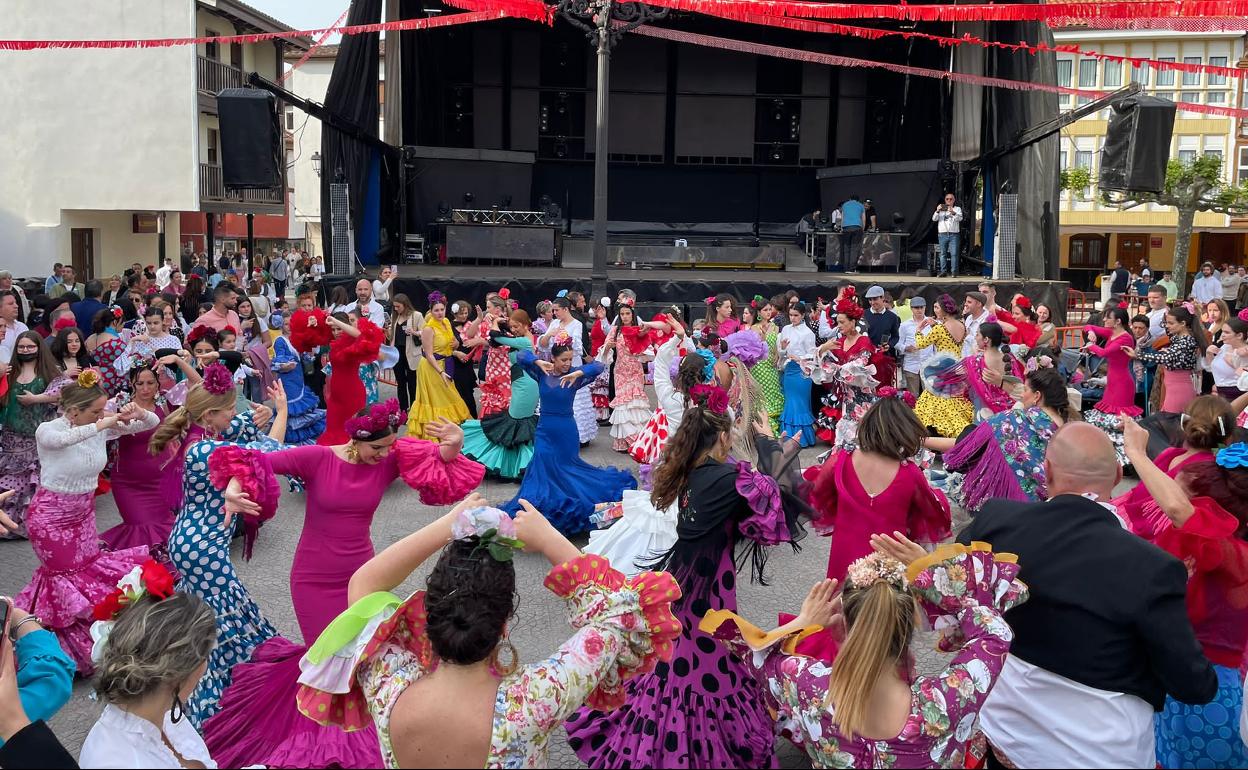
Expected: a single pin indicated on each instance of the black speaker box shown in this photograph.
(1137, 144)
(251, 139)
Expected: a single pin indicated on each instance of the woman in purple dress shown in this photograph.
(146, 516)
(345, 484)
(702, 709)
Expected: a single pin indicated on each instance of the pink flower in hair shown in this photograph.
(217, 379)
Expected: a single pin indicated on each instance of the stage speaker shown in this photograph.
(251, 139)
(1137, 144)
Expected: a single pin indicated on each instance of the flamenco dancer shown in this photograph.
(73, 573)
(199, 545)
(672, 379)
(558, 482)
(767, 371)
(948, 411)
(146, 517)
(849, 376)
(503, 442)
(344, 484)
(353, 342)
(496, 385)
(34, 384)
(797, 345)
(630, 409)
(702, 709)
(436, 396)
(305, 420)
(583, 404)
(1118, 401)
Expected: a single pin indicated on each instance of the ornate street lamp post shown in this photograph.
(604, 23)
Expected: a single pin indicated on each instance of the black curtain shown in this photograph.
(1033, 171)
(352, 94)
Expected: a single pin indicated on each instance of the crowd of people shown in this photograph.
(971, 483)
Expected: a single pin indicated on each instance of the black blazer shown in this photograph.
(36, 748)
(1107, 608)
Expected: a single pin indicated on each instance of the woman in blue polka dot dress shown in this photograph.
(200, 543)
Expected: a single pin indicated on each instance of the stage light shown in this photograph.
(776, 153)
(561, 149)
(469, 197)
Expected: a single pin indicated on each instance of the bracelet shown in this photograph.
(28, 619)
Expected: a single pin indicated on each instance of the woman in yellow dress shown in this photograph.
(436, 396)
(948, 414)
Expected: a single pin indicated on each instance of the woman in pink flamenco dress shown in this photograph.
(345, 484)
(875, 489)
(146, 516)
(74, 574)
(1118, 401)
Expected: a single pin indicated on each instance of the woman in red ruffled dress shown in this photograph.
(496, 387)
(353, 341)
(258, 722)
(844, 367)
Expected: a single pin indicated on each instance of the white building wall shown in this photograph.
(93, 130)
(311, 82)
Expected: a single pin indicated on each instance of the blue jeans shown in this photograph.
(947, 246)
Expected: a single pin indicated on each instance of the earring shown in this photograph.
(512, 665)
(176, 711)
(353, 454)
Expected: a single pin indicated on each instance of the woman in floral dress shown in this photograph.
(34, 382)
(199, 545)
(767, 371)
(844, 367)
(832, 710)
(496, 387)
(949, 412)
(482, 708)
(630, 409)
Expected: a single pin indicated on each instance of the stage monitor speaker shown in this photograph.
(251, 139)
(1137, 144)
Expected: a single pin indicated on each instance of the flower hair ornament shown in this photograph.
(151, 579)
(379, 417)
(455, 308)
(888, 391)
(1233, 457)
(435, 297)
(88, 378)
(710, 397)
(561, 339)
(494, 529)
(203, 333)
(1022, 302)
(116, 311)
(848, 305)
(872, 569)
(758, 301)
(217, 379)
(504, 293)
(68, 322)
(1243, 315)
(710, 301)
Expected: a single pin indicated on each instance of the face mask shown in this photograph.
(27, 357)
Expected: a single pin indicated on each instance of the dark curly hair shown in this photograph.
(689, 373)
(469, 598)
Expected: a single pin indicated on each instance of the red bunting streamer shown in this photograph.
(487, 10)
(760, 49)
(1071, 12)
(320, 41)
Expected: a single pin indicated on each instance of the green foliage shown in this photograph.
(1197, 185)
(1075, 179)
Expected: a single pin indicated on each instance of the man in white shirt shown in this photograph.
(948, 219)
(1230, 280)
(365, 304)
(162, 274)
(913, 358)
(1206, 287)
(1157, 311)
(975, 307)
(9, 310)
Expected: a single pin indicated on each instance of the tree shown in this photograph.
(1191, 186)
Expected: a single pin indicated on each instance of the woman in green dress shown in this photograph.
(32, 388)
(766, 373)
(503, 441)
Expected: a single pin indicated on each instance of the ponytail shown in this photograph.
(698, 432)
(198, 402)
(172, 429)
(880, 620)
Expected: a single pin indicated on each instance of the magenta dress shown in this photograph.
(1119, 396)
(258, 722)
(146, 516)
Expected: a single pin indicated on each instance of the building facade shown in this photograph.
(1094, 235)
(114, 155)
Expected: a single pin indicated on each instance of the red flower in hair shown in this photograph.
(157, 579)
(1023, 302)
(848, 306)
(109, 607)
(64, 323)
(504, 293)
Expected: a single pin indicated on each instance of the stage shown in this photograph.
(688, 287)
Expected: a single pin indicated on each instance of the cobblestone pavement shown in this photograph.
(536, 631)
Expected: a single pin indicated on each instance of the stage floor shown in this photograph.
(691, 286)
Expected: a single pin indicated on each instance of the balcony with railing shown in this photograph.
(212, 189)
(213, 75)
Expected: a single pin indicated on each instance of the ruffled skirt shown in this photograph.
(627, 422)
(435, 397)
(502, 443)
(19, 470)
(641, 535)
(585, 415)
(797, 419)
(74, 574)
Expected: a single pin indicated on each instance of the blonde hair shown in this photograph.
(880, 620)
(75, 396)
(155, 643)
(198, 403)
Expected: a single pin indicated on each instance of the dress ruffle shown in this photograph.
(641, 534)
(305, 427)
(954, 577)
(504, 462)
(252, 470)
(627, 422)
(307, 338)
(747, 346)
(649, 443)
(767, 525)
(259, 722)
(508, 431)
(438, 482)
(241, 628)
(1214, 556)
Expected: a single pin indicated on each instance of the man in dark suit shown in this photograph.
(1105, 635)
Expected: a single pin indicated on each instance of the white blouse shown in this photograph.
(121, 739)
(71, 458)
(801, 341)
(1225, 367)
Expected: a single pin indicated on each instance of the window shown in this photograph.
(1113, 74)
(290, 120)
(1087, 73)
(1192, 97)
(1217, 80)
(1191, 78)
(1063, 72)
(1083, 159)
(1139, 74)
(212, 49)
(1165, 77)
(1215, 97)
(1242, 174)
(1187, 156)
(212, 146)
(1088, 252)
